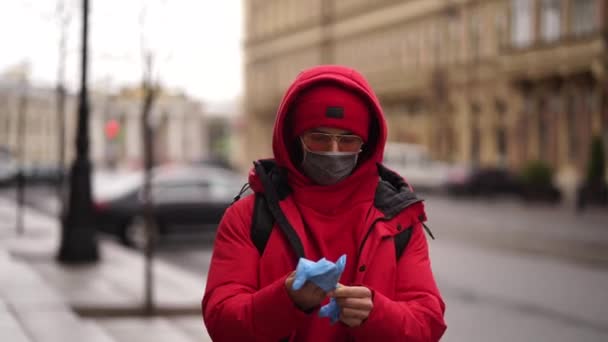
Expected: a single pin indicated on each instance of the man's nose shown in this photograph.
(334, 145)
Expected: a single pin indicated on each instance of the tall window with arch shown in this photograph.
(475, 37)
(475, 134)
(525, 125)
(501, 132)
(583, 16)
(521, 22)
(550, 20)
(571, 122)
(541, 125)
(453, 37)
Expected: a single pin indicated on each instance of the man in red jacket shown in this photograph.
(330, 195)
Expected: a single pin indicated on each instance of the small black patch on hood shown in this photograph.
(334, 112)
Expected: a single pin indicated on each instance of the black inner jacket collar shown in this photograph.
(392, 193)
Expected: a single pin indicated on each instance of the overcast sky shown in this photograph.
(197, 42)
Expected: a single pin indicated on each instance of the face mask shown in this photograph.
(326, 168)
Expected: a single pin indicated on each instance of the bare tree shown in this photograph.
(151, 89)
(150, 93)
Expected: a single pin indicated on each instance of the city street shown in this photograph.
(500, 289)
(131, 141)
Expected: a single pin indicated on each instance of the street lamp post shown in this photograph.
(78, 239)
(64, 21)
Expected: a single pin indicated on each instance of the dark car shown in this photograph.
(488, 181)
(43, 174)
(185, 200)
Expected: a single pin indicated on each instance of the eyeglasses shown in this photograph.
(323, 142)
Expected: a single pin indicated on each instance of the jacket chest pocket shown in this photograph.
(390, 250)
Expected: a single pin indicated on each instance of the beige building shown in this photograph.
(29, 123)
(486, 81)
(179, 122)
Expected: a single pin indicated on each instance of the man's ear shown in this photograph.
(369, 147)
(296, 152)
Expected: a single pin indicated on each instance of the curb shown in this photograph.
(137, 311)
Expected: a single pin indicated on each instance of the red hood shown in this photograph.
(346, 77)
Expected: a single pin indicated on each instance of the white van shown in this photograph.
(413, 162)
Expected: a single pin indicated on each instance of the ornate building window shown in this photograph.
(418, 51)
(501, 29)
(448, 141)
(454, 39)
(428, 46)
(550, 20)
(542, 127)
(521, 22)
(501, 131)
(583, 16)
(436, 42)
(475, 37)
(571, 122)
(526, 122)
(475, 134)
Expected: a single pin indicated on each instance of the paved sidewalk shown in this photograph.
(42, 300)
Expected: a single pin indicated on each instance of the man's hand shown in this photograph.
(306, 298)
(355, 304)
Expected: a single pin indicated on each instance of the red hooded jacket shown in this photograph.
(245, 296)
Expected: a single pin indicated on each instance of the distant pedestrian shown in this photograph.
(327, 194)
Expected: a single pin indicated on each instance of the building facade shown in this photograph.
(29, 123)
(487, 82)
(179, 125)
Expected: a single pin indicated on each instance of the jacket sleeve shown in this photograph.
(234, 307)
(417, 312)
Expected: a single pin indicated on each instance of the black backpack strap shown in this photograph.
(272, 200)
(403, 238)
(401, 241)
(261, 223)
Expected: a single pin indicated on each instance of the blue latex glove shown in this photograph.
(331, 311)
(325, 274)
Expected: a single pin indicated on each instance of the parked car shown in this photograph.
(32, 173)
(485, 181)
(215, 162)
(43, 174)
(185, 200)
(414, 163)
